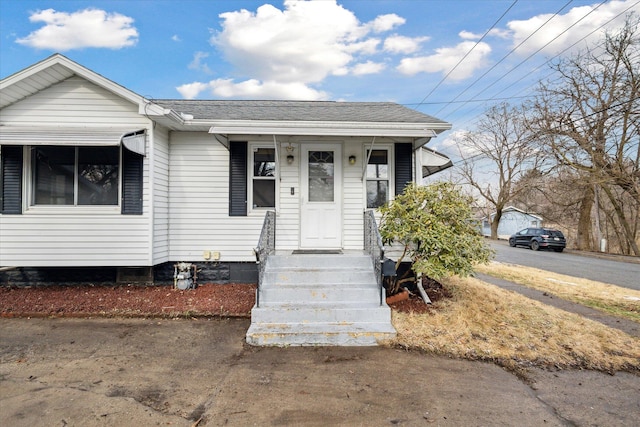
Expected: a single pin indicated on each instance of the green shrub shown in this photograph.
(434, 224)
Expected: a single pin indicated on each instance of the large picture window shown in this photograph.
(377, 178)
(76, 176)
(264, 178)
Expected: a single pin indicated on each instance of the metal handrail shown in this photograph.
(266, 246)
(373, 247)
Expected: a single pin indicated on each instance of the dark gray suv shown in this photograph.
(539, 238)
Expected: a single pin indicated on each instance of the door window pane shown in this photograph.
(321, 176)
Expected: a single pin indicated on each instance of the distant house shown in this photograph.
(512, 220)
(94, 175)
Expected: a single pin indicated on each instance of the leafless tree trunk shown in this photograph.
(590, 118)
(496, 156)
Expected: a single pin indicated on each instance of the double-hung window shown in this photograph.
(377, 176)
(263, 178)
(75, 176)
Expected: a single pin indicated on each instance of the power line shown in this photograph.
(534, 53)
(494, 97)
(510, 52)
(467, 54)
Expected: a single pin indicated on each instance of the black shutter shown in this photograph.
(238, 179)
(11, 179)
(132, 184)
(403, 166)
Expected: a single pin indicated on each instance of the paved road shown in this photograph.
(605, 270)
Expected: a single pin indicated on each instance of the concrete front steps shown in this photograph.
(308, 300)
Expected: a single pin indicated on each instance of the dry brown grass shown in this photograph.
(484, 322)
(614, 300)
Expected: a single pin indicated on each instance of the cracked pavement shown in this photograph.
(199, 372)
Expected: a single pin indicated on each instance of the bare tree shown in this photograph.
(590, 117)
(496, 156)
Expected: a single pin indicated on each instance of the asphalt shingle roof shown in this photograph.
(298, 111)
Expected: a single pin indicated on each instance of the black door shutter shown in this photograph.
(132, 184)
(11, 179)
(238, 179)
(403, 165)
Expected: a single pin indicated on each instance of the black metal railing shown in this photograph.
(373, 247)
(266, 246)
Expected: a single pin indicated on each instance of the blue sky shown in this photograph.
(353, 50)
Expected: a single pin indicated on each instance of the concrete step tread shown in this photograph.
(322, 305)
(320, 327)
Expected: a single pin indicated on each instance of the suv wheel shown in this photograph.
(512, 242)
(535, 245)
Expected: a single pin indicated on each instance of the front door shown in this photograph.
(321, 191)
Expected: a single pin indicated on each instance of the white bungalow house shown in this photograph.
(94, 175)
(512, 221)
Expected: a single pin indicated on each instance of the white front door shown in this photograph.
(321, 196)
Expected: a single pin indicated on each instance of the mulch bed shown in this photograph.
(415, 304)
(227, 300)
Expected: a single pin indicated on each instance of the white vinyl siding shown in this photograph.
(159, 153)
(40, 238)
(199, 203)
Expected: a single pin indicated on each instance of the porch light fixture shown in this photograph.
(352, 160)
(290, 158)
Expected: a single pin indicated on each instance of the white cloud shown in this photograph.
(252, 89)
(192, 90)
(83, 29)
(446, 58)
(368, 67)
(455, 142)
(520, 30)
(197, 63)
(282, 53)
(402, 44)
(387, 22)
(468, 35)
(176, 38)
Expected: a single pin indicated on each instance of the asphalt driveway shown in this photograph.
(116, 372)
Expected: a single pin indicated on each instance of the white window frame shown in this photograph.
(28, 196)
(252, 149)
(391, 171)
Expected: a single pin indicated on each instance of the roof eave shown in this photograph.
(328, 128)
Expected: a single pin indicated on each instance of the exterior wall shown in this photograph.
(510, 223)
(199, 197)
(46, 237)
(199, 203)
(159, 157)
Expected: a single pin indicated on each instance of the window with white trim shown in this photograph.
(263, 177)
(75, 176)
(378, 178)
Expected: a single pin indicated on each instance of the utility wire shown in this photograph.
(467, 54)
(533, 54)
(553, 57)
(504, 57)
